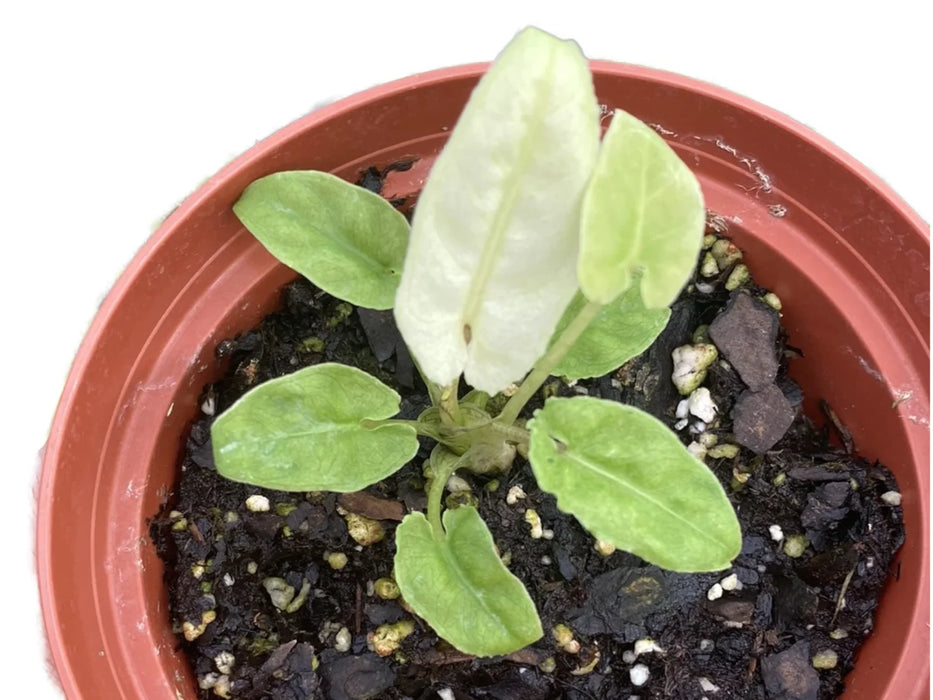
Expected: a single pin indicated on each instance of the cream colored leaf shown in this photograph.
(491, 264)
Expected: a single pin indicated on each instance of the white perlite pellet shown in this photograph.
(343, 640)
(208, 406)
(515, 494)
(702, 406)
(639, 674)
(697, 450)
(257, 503)
(892, 498)
(446, 694)
(224, 662)
(707, 686)
(777, 534)
(730, 583)
(208, 681)
(715, 592)
(646, 646)
(603, 548)
(690, 365)
(683, 409)
(825, 659)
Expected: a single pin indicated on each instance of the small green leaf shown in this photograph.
(460, 586)
(305, 432)
(623, 329)
(347, 240)
(643, 210)
(477, 398)
(630, 482)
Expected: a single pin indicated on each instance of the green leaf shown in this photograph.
(630, 482)
(306, 432)
(347, 240)
(477, 398)
(623, 329)
(461, 587)
(492, 260)
(643, 210)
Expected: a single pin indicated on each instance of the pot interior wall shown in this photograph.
(847, 259)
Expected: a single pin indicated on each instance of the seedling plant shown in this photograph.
(536, 249)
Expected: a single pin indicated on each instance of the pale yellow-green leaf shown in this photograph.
(629, 481)
(348, 241)
(307, 431)
(623, 329)
(461, 587)
(643, 210)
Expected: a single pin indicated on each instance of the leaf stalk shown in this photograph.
(543, 368)
(443, 470)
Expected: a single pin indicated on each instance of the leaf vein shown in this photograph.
(465, 582)
(492, 246)
(582, 461)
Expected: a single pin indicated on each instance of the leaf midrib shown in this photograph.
(341, 242)
(582, 461)
(496, 239)
(466, 584)
(317, 430)
(464, 581)
(295, 213)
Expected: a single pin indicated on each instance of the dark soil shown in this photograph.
(755, 641)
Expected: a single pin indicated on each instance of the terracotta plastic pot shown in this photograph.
(848, 258)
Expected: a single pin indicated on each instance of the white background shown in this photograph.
(114, 112)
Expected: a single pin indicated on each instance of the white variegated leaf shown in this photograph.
(491, 263)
